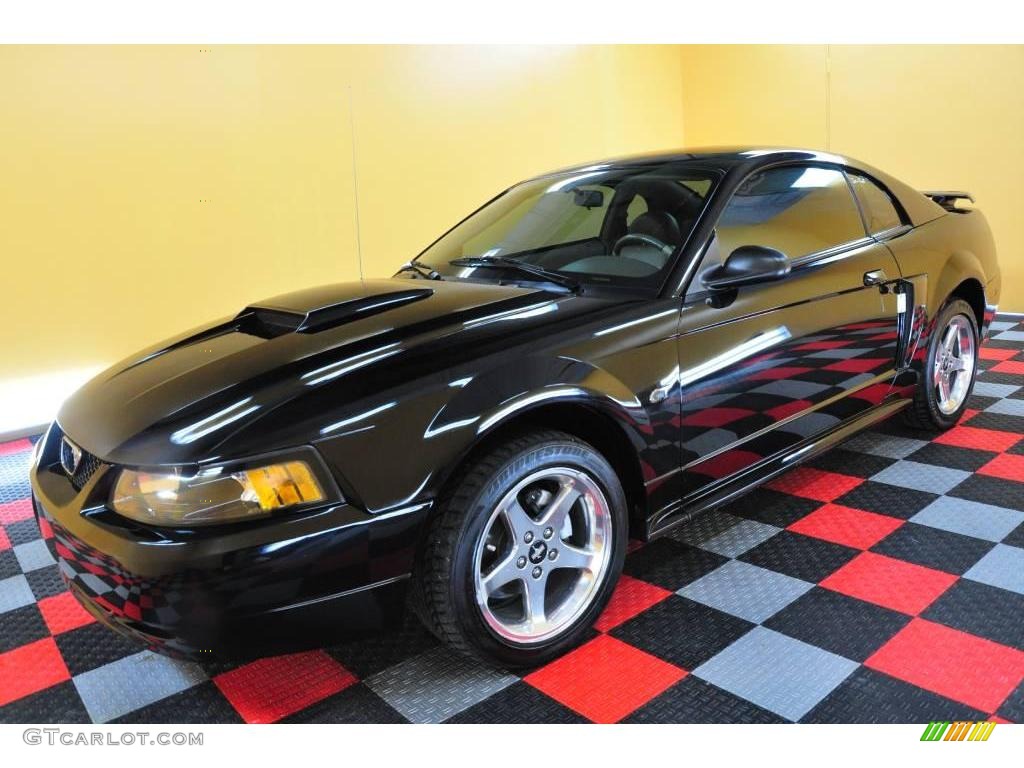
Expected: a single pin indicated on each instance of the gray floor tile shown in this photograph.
(889, 446)
(745, 590)
(15, 592)
(971, 518)
(133, 682)
(436, 685)
(33, 555)
(921, 477)
(1008, 406)
(786, 676)
(990, 389)
(1002, 567)
(737, 539)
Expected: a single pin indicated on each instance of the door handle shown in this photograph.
(874, 277)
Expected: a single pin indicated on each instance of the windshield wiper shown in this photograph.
(423, 270)
(504, 262)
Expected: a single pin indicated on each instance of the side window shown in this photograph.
(879, 211)
(795, 209)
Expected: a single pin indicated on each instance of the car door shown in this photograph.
(767, 366)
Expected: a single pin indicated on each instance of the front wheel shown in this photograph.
(950, 368)
(525, 551)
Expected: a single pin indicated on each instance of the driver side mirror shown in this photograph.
(747, 265)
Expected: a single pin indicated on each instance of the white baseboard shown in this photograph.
(29, 403)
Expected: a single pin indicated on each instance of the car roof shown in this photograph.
(738, 161)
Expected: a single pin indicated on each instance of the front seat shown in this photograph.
(661, 226)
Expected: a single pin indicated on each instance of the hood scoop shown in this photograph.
(269, 320)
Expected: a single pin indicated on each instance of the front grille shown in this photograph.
(87, 463)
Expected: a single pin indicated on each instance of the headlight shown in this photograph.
(214, 496)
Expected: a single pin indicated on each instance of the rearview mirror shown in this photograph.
(747, 265)
(588, 198)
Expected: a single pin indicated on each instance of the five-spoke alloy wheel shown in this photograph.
(525, 550)
(949, 369)
(542, 555)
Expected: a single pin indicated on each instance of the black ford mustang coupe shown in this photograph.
(596, 354)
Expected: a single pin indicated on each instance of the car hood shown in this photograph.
(179, 401)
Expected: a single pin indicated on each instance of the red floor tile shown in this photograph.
(15, 511)
(631, 596)
(874, 394)
(5, 543)
(858, 365)
(715, 417)
(63, 613)
(15, 446)
(836, 344)
(1008, 366)
(981, 439)
(810, 483)
(726, 463)
(268, 689)
(1008, 466)
(30, 668)
(889, 582)
(605, 679)
(954, 664)
(779, 412)
(991, 353)
(847, 526)
(782, 372)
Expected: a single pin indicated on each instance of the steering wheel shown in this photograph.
(640, 238)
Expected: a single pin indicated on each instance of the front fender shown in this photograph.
(401, 452)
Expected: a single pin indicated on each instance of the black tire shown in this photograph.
(924, 412)
(444, 593)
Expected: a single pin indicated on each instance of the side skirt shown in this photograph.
(729, 488)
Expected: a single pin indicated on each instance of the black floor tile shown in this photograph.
(933, 548)
(58, 704)
(356, 704)
(953, 456)
(802, 557)
(887, 500)
(1013, 708)
(1016, 537)
(981, 610)
(671, 564)
(867, 696)
(93, 646)
(692, 700)
(518, 703)
(840, 624)
(681, 631)
(851, 462)
(46, 582)
(991, 490)
(21, 627)
(772, 507)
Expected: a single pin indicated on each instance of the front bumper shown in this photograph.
(232, 591)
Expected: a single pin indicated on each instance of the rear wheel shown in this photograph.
(525, 551)
(950, 369)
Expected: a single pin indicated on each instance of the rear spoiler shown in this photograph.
(947, 199)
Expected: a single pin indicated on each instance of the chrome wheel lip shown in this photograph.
(593, 508)
(954, 364)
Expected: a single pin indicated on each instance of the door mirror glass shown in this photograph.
(747, 265)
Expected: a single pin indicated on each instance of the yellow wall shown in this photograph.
(937, 117)
(148, 189)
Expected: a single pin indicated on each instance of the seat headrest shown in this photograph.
(659, 225)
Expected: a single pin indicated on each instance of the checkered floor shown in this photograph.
(884, 582)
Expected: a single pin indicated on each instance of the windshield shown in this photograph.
(616, 227)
